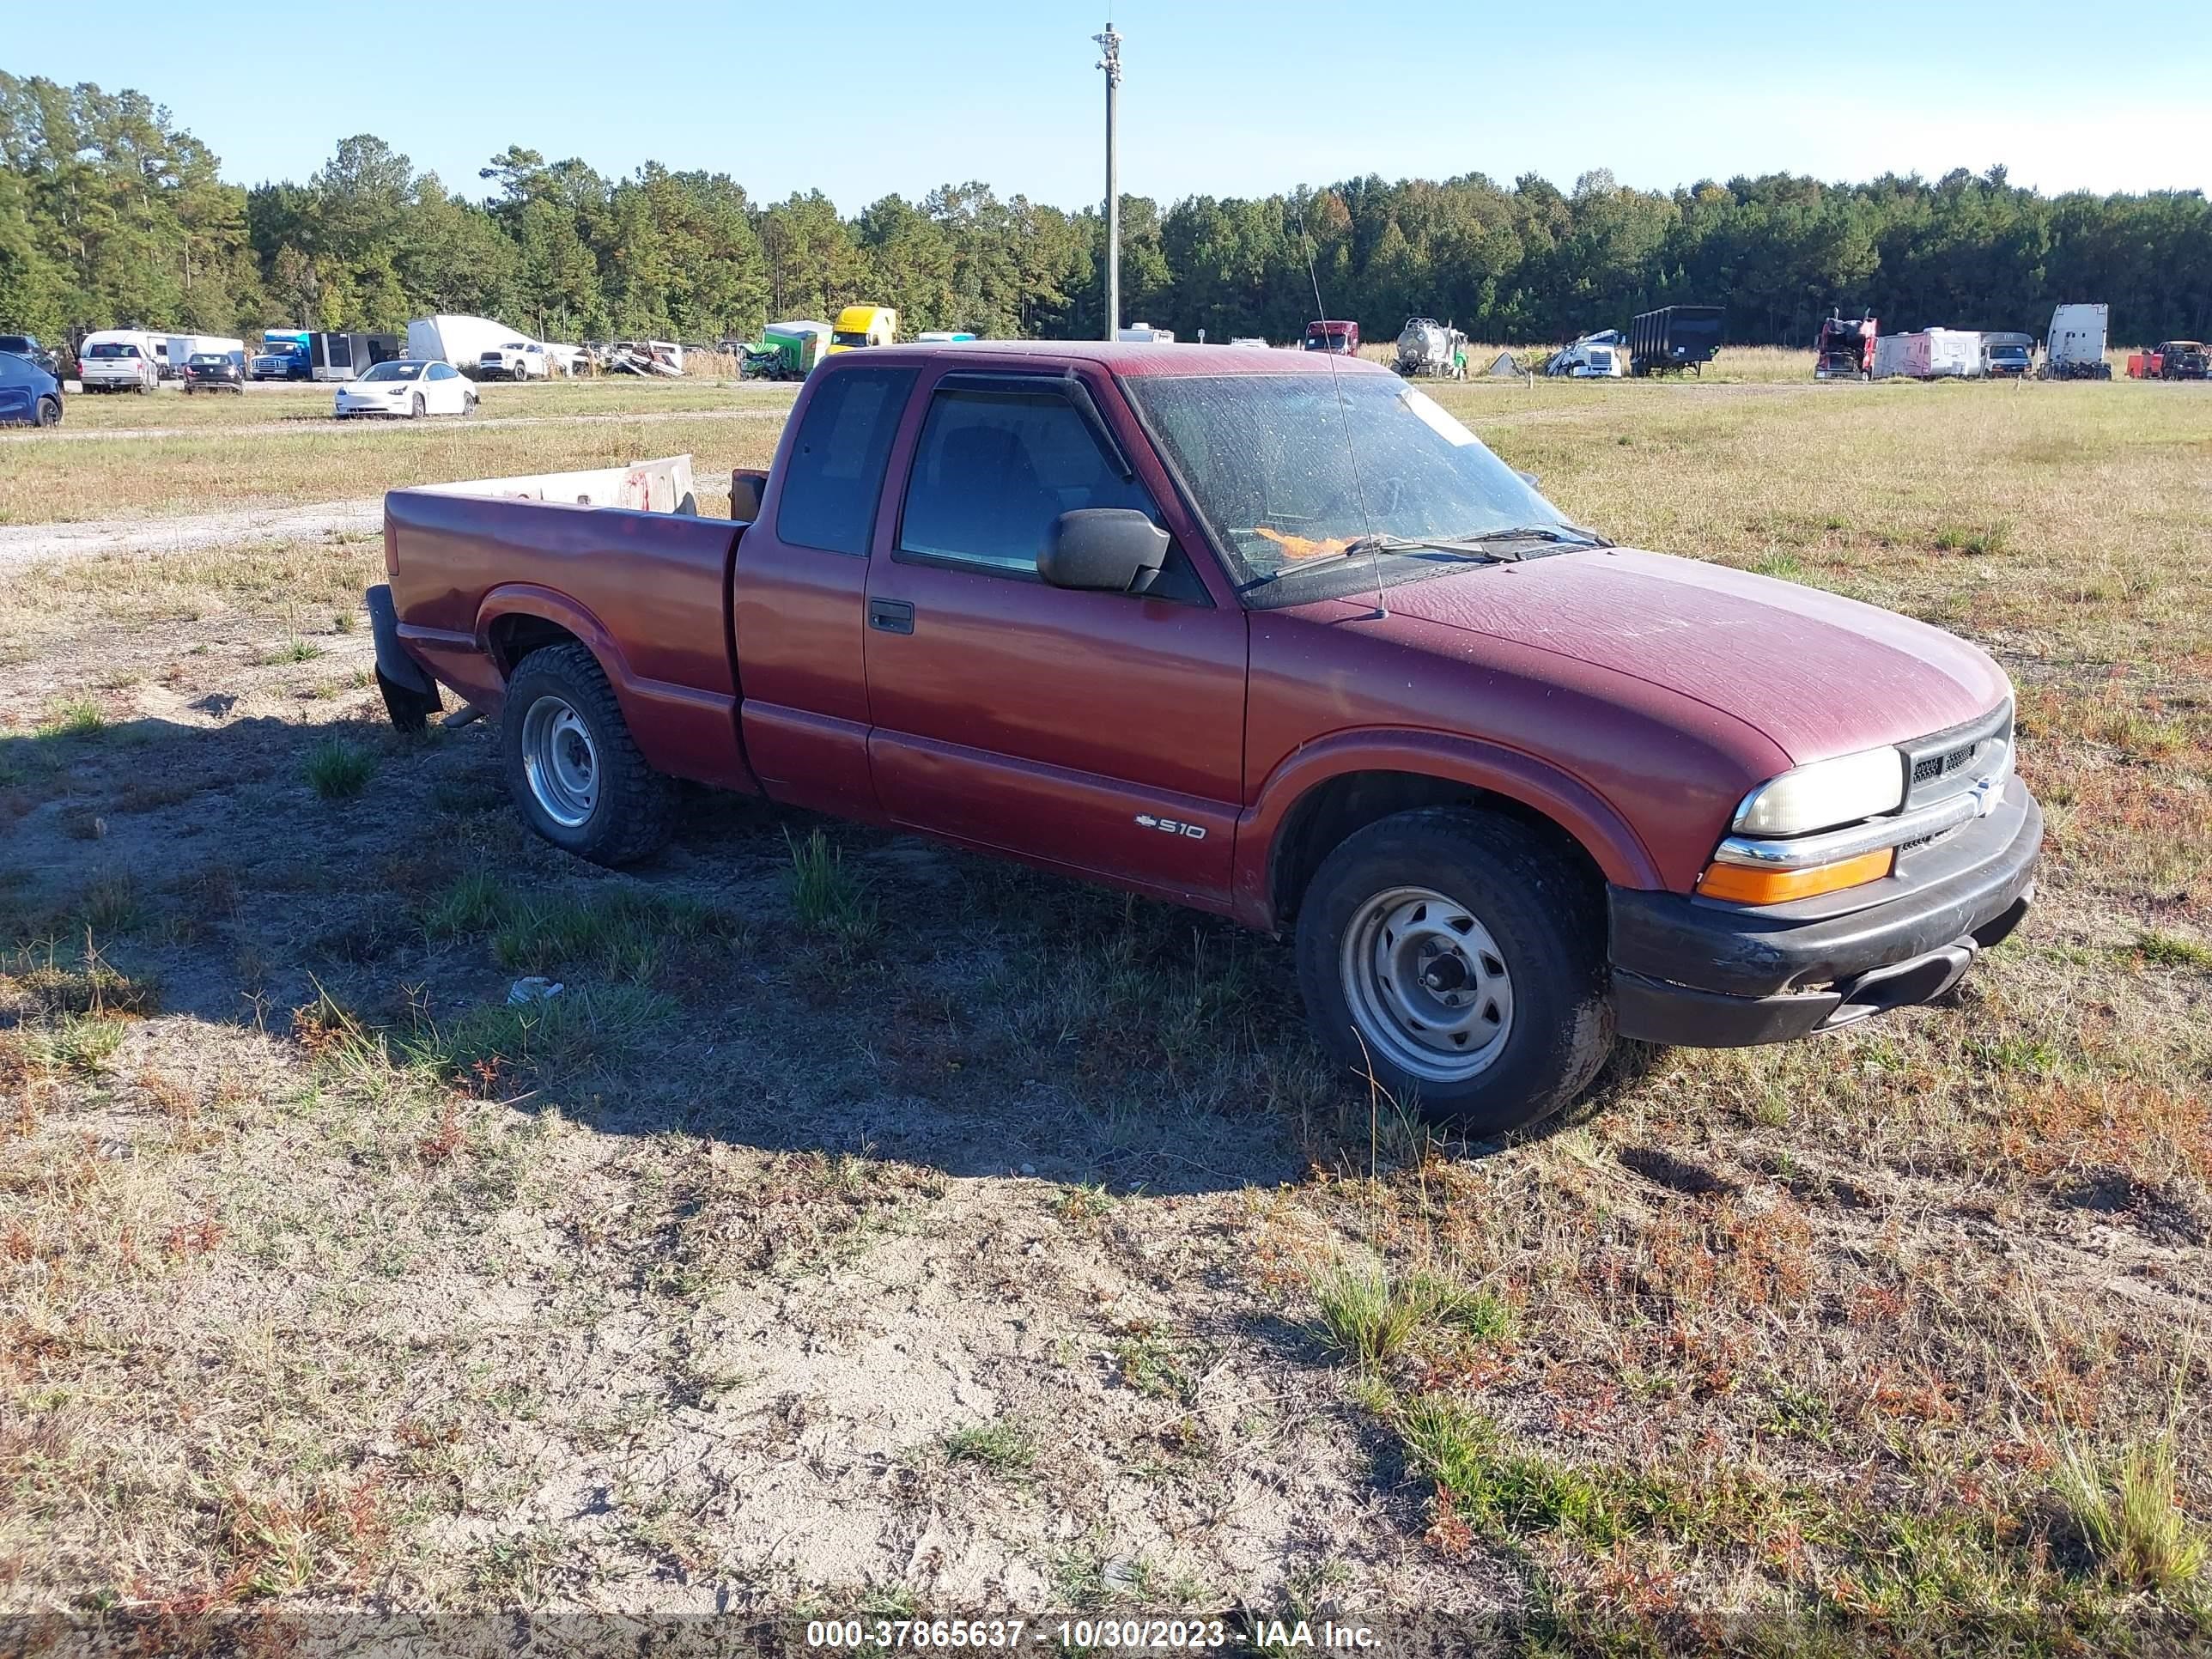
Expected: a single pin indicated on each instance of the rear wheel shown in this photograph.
(572, 766)
(1457, 956)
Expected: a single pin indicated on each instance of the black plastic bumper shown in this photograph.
(392, 659)
(1706, 975)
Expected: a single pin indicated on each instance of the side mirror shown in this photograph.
(747, 485)
(1107, 550)
(1528, 479)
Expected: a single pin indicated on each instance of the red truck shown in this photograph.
(1273, 636)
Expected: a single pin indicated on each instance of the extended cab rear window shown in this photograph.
(834, 475)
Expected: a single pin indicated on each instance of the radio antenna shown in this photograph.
(1344, 418)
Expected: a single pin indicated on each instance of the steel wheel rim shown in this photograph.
(560, 762)
(1427, 984)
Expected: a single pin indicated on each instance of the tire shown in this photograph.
(416, 407)
(572, 767)
(48, 413)
(1519, 930)
(410, 710)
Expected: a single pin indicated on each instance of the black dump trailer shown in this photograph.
(1675, 337)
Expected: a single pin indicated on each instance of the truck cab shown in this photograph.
(1340, 335)
(859, 327)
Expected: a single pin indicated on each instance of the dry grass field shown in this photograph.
(870, 1227)
(166, 454)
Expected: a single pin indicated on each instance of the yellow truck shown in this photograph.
(864, 325)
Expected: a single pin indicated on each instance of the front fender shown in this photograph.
(1612, 843)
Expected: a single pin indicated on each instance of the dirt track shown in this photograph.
(21, 545)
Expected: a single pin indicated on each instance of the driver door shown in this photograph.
(1098, 732)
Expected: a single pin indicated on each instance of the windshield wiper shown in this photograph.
(1487, 543)
(1569, 535)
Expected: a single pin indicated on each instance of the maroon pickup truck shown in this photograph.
(1273, 636)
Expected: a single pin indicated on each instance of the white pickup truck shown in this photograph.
(518, 360)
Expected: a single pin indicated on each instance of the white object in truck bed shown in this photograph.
(661, 486)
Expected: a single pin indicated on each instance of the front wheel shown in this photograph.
(49, 412)
(572, 766)
(1456, 956)
(416, 407)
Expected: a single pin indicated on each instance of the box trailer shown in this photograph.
(461, 341)
(1930, 353)
(348, 356)
(2074, 348)
(1675, 338)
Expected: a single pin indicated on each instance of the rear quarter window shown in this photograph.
(834, 475)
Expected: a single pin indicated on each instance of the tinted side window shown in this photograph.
(995, 469)
(835, 470)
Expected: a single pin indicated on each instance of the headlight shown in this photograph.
(1825, 794)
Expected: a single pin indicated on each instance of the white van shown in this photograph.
(119, 360)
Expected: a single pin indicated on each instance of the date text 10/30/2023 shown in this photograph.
(1131, 1635)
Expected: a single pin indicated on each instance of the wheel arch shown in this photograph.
(513, 622)
(1332, 790)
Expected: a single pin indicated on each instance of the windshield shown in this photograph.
(1265, 460)
(846, 337)
(394, 371)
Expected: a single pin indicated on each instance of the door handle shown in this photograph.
(890, 616)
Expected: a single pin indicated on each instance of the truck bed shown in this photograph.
(485, 570)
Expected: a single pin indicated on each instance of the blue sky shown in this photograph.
(1235, 97)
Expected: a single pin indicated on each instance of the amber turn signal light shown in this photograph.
(1742, 884)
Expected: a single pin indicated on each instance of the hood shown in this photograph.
(1817, 674)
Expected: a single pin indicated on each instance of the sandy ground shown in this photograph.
(34, 543)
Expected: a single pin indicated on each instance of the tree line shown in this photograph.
(110, 213)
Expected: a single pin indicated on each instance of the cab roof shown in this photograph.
(1118, 358)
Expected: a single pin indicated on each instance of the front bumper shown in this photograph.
(1707, 974)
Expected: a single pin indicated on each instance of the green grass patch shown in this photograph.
(1504, 1492)
(2173, 951)
(824, 892)
(1004, 1446)
(2128, 1509)
(622, 932)
(75, 717)
(1960, 539)
(79, 1043)
(338, 770)
(1368, 1318)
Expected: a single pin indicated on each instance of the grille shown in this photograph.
(1947, 762)
(1932, 766)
